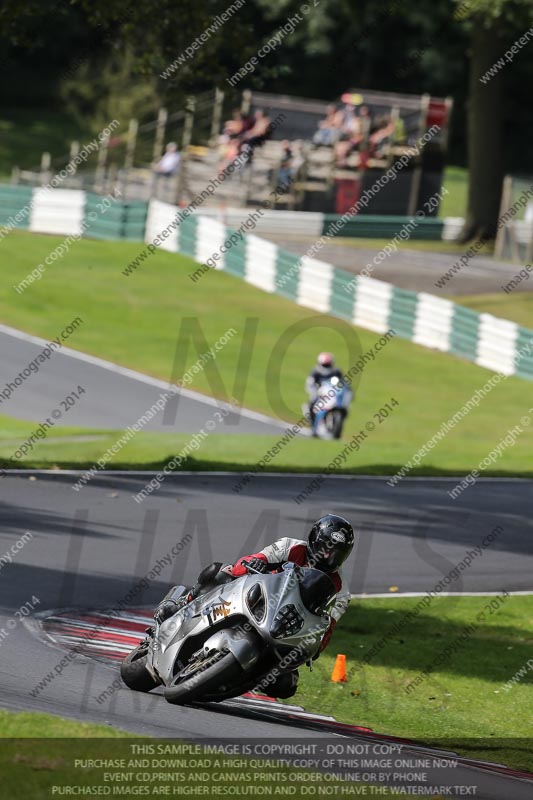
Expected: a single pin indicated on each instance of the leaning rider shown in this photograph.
(328, 545)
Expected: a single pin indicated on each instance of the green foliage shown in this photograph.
(24, 136)
(100, 92)
(91, 54)
(508, 12)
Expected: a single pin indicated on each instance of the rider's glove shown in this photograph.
(258, 564)
(165, 610)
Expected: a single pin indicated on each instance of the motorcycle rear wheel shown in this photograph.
(217, 673)
(134, 673)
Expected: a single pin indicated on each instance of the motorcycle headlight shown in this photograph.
(255, 600)
(287, 622)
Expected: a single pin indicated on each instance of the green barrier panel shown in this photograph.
(464, 332)
(133, 230)
(15, 206)
(403, 312)
(385, 227)
(287, 274)
(113, 219)
(343, 291)
(235, 257)
(524, 349)
(103, 229)
(187, 236)
(525, 369)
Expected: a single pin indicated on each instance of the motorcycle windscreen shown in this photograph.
(316, 590)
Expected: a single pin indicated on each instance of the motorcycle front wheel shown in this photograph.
(208, 676)
(334, 423)
(134, 673)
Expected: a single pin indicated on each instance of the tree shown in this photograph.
(375, 44)
(492, 24)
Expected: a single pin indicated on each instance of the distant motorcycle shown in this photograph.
(331, 408)
(236, 634)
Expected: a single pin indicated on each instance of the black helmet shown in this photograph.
(330, 542)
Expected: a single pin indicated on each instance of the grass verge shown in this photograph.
(464, 701)
(80, 448)
(422, 245)
(456, 182)
(517, 306)
(32, 725)
(136, 321)
(462, 704)
(43, 756)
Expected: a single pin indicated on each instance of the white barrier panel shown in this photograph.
(452, 228)
(522, 230)
(433, 322)
(210, 236)
(160, 216)
(260, 263)
(314, 286)
(57, 211)
(304, 223)
(372, 304)
(496, 344)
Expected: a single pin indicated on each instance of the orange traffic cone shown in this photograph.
(339, 670)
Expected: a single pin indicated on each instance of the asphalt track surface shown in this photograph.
(90, 548)
(115, 397)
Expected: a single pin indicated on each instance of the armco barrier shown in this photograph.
(57, 211)
(70, 212)
(118, 221)
(424, 319)
(270, 223)
(368, 226)
(15, 202)
(363, 226)
(430, 321)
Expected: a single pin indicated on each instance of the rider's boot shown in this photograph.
(284, 686)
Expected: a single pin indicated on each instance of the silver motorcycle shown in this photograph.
(238, 634)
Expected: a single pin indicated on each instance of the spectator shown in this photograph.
(229, 139)
(355, 135)
(286, 166)
(382, 136)
(169, 163)
(233, 128)
(329, 129)
(256, 135)
(366, 123)
(260, 130)
(350, 122)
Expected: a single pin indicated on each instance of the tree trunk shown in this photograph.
(485, 143)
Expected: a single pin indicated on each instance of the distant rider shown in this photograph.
(324, 370)
(328, 545)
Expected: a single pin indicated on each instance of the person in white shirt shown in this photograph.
(170, 161)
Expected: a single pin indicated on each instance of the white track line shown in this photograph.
(137, 376)
(226, 473)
